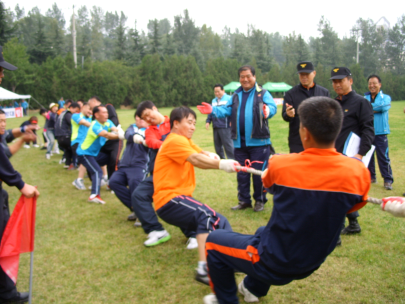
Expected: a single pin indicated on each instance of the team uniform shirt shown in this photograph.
(313, 191)
(79, 132)
(154, 137)
(93, 143)
(174, 175)
(135, 155)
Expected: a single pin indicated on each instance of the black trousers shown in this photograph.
(64, 144)
(113, 150)
(7, 287)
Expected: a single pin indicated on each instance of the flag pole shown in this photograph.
(31, 273)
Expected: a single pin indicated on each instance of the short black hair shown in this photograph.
(96, 109)
(374, 76)
(179, 113)
(42, 111)
(74, 105)
(219, 85)
(68, 101)
(85, 103)
(2, 112)
(147, 104)
(81, 100)
(96, 98)
(246, 68)
(323, 117)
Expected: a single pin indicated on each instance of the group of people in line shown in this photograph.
(313, 188)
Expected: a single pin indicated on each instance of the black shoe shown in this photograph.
(352, 228)
(259, 206)
(21, 297)
(373, 181)
(43, 148)
(388, 186)
(241, 206)
(132, 217)
(339, 242)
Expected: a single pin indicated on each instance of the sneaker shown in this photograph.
(48, 156)
(373, 181)
(192, 243)
(104, 182)
(44, 148)
(388, 185)
(249, 297)
(259, 206)
(71, 167)
(210, 299)
(62, 161)
(137, 223)
(36, 146)
(65, 166)
(156, 238)
(132, 217)
(202, 278)
(27, 146)
(56, 151)
(97, 199)
(79, 184)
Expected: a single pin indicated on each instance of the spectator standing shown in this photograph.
(221, 126)
(381, 103)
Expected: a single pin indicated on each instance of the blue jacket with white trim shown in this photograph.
(255, 124)
(219, 123)
(381, 105)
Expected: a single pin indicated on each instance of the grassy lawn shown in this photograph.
(88, 253)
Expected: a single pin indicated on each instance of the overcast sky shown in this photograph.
(271, 16)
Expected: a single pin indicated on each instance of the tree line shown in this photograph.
(178, 63)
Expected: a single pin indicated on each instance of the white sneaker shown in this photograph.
(79, 184)
(210, 299)
(36, 146)
(62, 161)
(48, 156)
(137, 223)
(249, 297)
(104, 182)
(192, 243)
(27, 146)
(56, 151)
(156, 238)
(97, 199)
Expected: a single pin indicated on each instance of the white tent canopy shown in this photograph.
(5, 95)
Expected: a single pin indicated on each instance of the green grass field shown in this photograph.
(88, 253)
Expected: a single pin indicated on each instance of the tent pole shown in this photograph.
(37, 102)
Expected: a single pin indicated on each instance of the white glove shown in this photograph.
(121, 134)
(213, 155)
(138, 139)
(394, 205)
(228, 165)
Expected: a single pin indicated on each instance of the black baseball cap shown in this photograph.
(339, 73)
(4, 63)
(305, 67)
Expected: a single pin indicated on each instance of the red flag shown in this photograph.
(18, 236)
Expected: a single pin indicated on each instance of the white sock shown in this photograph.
(93, 196)
(80, 179)
(105, 177)
(201, 267)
